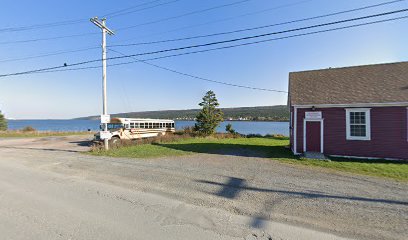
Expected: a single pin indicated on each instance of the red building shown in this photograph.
(357, 111)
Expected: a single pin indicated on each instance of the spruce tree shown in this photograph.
(3, 122)
(210, 115)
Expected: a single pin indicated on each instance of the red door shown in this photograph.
(313, 136)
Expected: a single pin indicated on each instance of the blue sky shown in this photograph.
(139, 87)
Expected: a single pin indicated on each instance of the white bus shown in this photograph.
(136, 128)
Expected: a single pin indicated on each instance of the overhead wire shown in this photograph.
(58, 68)
(83, 20)
(184, 14)
(200, 78)
(264, 26)
(128, 11)
(48, 54)
(119, 29)
(248, 37)
(216, 34)
(266, 10)
(263, 35)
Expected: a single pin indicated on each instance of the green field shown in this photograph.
(30, 134)
(273, 149)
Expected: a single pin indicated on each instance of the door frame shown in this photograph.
(321, 120)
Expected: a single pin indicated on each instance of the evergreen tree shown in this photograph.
(229, 129)
(3, 122)
(210, 116)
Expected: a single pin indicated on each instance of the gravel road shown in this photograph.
(49, 190)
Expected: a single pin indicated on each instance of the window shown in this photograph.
(142, 125)
(132, 125)
(114, 126)
(358, 124)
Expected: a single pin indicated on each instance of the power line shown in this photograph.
(67, 23)
(200, 78)
(250, 37)
(152, 22)
(129, 11)
(262, 35)
(44, 25)
(48, 54)
(208, 35)
(258, 12)
(264, 26)
(82, 20)
(185, 14)
(48, 38)
(57, 68)
(129, 8)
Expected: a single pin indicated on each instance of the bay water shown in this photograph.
(243, 127)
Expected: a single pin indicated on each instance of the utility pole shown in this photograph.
(102, 25)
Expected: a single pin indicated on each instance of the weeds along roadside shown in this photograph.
(186, 133)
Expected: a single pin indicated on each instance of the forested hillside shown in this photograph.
(264, 113)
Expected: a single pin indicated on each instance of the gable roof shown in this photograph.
(380, 83)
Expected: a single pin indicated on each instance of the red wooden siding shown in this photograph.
(389, 129)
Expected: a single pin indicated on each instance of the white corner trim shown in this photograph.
(321, 133)
(295, 131)
(368, 124)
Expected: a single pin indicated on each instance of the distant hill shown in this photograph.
(263, 113)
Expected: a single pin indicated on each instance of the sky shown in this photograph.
(142, 87)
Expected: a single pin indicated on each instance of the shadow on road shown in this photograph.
(232, 187)
(82, 143)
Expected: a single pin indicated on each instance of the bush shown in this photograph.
(3, 122)
(28, 129)
(275, 136)
(229, 129)
(254, 135)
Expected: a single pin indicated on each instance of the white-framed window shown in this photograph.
(358, 125)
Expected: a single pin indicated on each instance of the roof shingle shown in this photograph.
(380, 83)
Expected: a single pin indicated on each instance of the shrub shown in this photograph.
(28, 129)
(254, 135)
(3, 122)
(229, 129)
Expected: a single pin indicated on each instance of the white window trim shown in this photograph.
(368, 124)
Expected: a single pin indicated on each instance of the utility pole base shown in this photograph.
(106, 144)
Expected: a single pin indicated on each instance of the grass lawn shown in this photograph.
(22, 134)
(273, 149)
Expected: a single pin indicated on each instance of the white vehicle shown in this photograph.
(136, 128)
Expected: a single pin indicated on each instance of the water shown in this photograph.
(244, 127)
